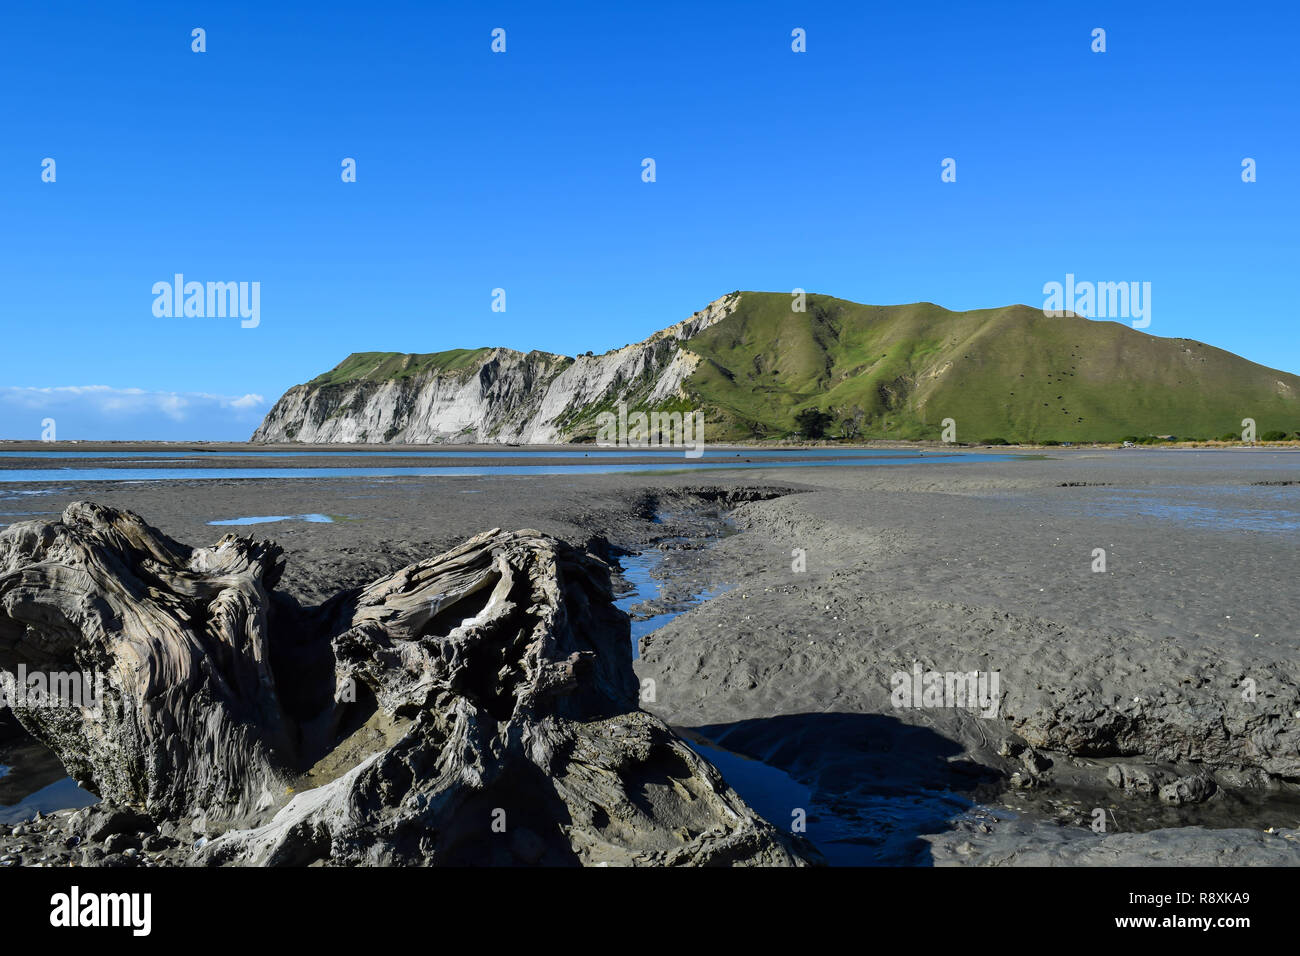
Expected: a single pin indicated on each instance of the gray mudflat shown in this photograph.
(1124, 690)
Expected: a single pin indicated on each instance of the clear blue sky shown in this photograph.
(523, 171)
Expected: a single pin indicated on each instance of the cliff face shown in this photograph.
(495, 395)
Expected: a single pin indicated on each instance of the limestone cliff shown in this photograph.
(486, 395)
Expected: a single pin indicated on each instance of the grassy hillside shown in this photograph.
(382, 366)
(1009, 373)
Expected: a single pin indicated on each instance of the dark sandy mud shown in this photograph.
(1147, 713)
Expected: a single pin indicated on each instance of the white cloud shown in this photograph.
(106, 412)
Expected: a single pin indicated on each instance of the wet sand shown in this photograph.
(984, 567)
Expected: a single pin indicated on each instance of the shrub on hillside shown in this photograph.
(813, 422)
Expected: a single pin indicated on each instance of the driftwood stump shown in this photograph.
(476, 707)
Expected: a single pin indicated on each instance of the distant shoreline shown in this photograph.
(580, 449)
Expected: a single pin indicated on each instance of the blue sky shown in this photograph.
(522, 170)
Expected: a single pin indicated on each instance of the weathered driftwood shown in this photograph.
(476, 707)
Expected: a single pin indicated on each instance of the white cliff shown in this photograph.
(501, 396)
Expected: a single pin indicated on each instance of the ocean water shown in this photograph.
(145, 473)
(578, 451)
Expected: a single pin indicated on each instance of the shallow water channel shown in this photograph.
(871, 829)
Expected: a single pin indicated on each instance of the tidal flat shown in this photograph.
(1136, 607)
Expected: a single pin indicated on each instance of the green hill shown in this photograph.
(385, 366)
(752, 365)
(1011, 373)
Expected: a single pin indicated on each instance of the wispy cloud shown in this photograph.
(105, 412)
